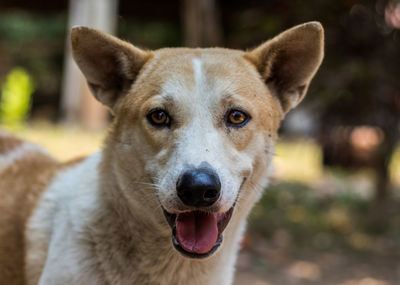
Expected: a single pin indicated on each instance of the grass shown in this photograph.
(290, 155)
(395, 167)
(292, 214)
(63, 142)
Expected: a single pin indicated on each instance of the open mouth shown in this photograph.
(198, 234)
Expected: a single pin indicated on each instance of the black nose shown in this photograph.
(199, 187)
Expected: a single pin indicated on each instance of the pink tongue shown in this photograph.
(197, 231)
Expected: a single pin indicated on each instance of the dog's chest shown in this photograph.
(170, 271)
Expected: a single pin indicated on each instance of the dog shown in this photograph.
(187, 156)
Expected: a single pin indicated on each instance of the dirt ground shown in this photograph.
(266, 266)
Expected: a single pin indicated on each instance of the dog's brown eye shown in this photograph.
(159, 118)
(237, 118)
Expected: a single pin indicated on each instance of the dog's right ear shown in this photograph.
(288, 62)
(109, 64)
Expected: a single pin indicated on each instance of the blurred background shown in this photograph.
(332, 212)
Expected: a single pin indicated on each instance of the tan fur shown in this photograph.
(8, 143)
(101, 221)
(20, 187)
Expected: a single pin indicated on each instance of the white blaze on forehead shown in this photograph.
(205, 94)
(201, 91)
(191, 93)
(210, 90)
(198, 72)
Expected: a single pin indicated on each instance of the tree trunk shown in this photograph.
(201, 21)
(77, 104)
(379, 208)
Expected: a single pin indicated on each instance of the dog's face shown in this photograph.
(200, 123)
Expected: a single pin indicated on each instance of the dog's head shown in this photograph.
(194, 128)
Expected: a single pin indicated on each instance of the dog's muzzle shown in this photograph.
(198, 233)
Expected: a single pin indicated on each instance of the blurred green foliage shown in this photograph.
(35, 42)
(152, 35)
(22, 27)
(15, 101)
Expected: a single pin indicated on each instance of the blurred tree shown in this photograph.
(78, 105)
(201, 23)
(364, 59)
(34, 43)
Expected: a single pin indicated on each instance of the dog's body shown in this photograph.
(188, 121)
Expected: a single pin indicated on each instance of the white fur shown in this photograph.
(62, 214)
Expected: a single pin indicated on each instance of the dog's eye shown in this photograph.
(159, 118)
(236, 118)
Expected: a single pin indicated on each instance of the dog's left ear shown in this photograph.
(109, 64)
(288, 62)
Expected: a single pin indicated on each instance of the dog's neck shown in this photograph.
(133, 246)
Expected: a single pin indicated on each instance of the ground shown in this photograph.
(266, 266)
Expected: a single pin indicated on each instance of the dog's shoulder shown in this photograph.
(60, 222)
(25, 172)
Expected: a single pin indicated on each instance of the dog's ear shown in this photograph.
(288, 62)
(109, 64)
